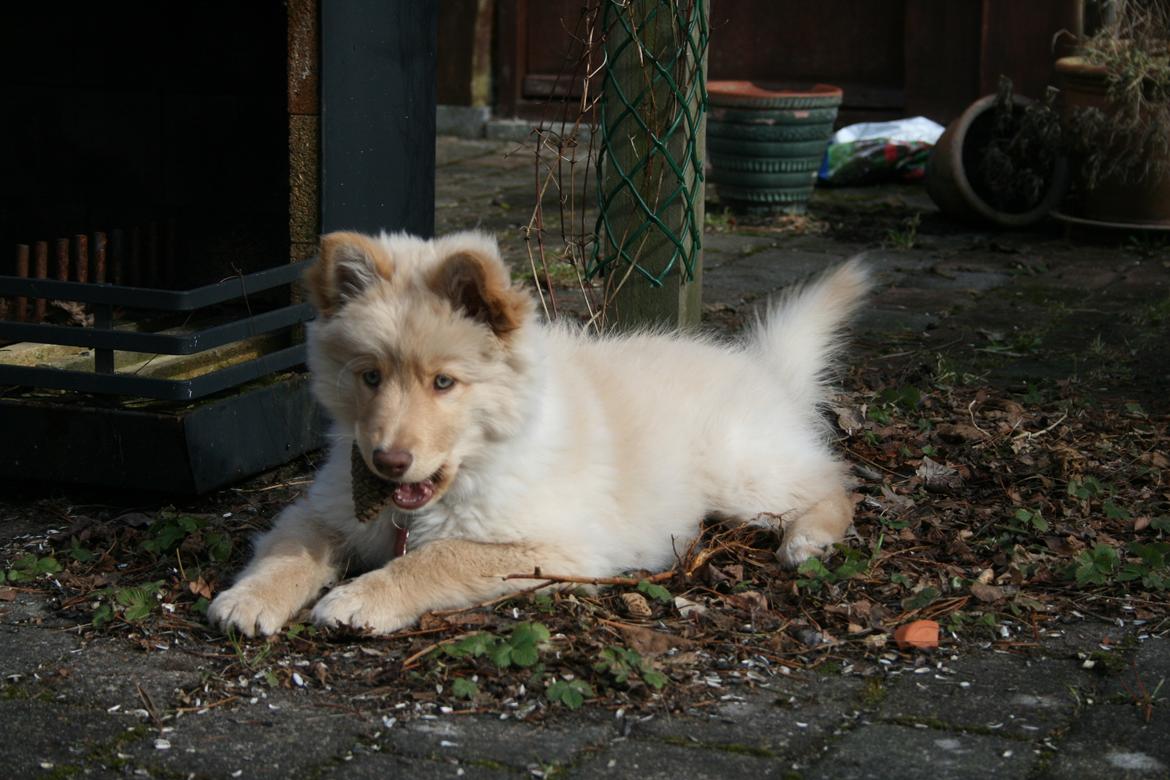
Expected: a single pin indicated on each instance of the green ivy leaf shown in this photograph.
(922, 598)
(655, 591)
(79, 553)
(136, 612)
(102, 615)
(814, 568)
(529, 633)
(470, 646)
(570, 693)
(501, 655)
(1115, 512)
(219, 546)
(463, 688)
(525, 655)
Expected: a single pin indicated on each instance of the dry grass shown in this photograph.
(1133, 140)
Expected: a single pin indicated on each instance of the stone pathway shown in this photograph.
(1050, 307)
(73, 709)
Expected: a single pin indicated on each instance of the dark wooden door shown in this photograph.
(893, 57)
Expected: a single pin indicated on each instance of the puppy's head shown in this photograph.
(419, 350)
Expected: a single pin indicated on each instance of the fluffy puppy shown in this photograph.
(507, 444)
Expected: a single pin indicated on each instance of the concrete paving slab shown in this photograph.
(991, 694)
(29, 650)
(280, 737)
(649, 760)
(1114, 741)
(43, 737)
(792, 721)
(878, 752)
(507, 743)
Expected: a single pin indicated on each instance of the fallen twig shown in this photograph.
(1037, 434)
(569, 578)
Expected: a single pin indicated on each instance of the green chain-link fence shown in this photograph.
(650, 167)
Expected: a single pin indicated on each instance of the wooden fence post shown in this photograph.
(653, 126)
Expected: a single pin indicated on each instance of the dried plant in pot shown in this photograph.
(1116, 117)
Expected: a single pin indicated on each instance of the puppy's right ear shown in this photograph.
(348, 265)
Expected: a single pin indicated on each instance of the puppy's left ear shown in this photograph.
(478, 283)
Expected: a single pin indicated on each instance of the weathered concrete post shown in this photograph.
(653, 127)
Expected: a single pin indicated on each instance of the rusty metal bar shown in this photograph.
(99, 257)
(21, 271)
(170, 267)
(61, 255)
(117, 255)
(152, 278)
(41, 270)
(134, 275)
(81, 257)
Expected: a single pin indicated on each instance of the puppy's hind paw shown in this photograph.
(243, 609)
(798, 548)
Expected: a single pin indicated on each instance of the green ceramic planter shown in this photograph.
(765, 142)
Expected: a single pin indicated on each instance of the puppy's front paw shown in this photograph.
(248, 610)
(367, 603)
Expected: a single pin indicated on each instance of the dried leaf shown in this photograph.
(200, 588)
(749, 600)
(1155, 459)
(988, 593)
(896, 503)
(938, 477)
(848, 420)
(959, 433)
(648, 642)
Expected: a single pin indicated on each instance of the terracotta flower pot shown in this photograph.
(955, 187)
(1114, 197)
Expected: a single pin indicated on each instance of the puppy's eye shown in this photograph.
(372, 378)
(443, 382)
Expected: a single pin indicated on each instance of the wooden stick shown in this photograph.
(430, 648)
(628, 581)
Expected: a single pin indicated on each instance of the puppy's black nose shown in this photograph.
(392, 462)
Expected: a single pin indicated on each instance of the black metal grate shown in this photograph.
(105, 340)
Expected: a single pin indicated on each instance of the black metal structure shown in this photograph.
(377, 133)
(196, 445)
(104, 339)
(175, 450)
(378, 115)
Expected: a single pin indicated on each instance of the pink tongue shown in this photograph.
(412, 495)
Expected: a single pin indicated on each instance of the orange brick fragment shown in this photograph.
(920, 633)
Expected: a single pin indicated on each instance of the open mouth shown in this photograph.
(416, 495)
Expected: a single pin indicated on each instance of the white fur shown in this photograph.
(585, 456)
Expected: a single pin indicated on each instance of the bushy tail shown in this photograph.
(801, 333)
